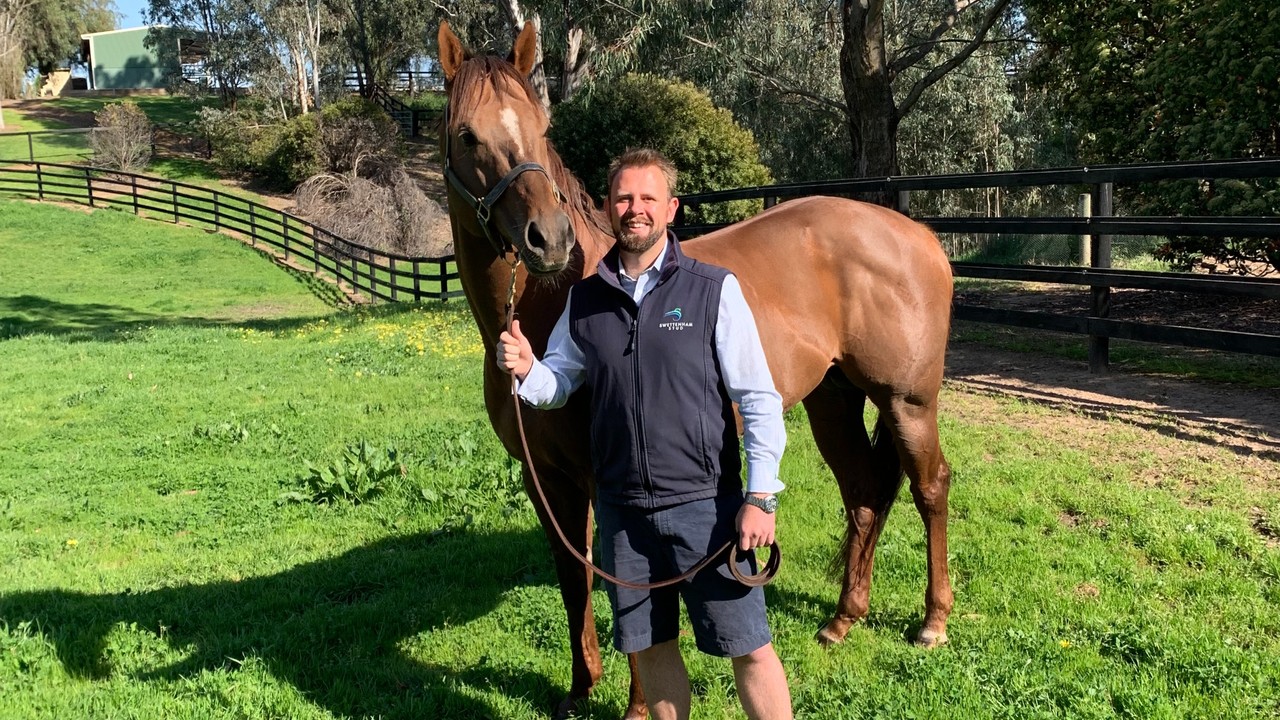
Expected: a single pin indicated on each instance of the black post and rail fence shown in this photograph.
(297, 242)
(386, 276)
(1099, 227)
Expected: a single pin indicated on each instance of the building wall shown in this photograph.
(121, 60)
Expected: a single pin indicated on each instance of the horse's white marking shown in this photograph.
(511, 122)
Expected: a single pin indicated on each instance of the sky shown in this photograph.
(130, 13)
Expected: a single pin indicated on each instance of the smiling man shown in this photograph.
(666, 345)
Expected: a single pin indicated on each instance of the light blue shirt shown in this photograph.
(562, 370)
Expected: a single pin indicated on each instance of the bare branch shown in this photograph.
(940, 71)
(820, 101)
(916, 53)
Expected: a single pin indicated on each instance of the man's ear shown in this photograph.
(672, 207)
(524, 55)
(452, 54)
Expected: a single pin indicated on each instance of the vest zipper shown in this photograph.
(645, 477)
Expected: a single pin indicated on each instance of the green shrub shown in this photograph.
(285, 155)
(711, 151)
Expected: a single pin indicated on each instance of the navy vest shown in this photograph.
(662, 425)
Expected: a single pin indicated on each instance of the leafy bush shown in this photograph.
(122, 139)
(230, 133)
(711, 151)
(285, 155)
(360, 474)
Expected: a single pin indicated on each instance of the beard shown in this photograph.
(635, 242)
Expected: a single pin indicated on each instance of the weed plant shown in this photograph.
(160, 387)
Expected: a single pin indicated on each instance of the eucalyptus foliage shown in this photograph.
(1172, 80)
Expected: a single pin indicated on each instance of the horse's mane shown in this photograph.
(467, 90)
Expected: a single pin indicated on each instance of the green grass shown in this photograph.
(74, 147)
(162, 391)
(161, 109)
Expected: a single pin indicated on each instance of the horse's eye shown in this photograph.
(468, 138)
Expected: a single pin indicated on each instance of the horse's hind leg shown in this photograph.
(914, 423)
(868, 480)
(572, 508)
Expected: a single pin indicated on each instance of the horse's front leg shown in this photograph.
(572, 509)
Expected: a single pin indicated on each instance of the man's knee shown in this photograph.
(660, 652)
(763, 654)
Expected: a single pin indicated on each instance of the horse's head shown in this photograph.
(496, 156)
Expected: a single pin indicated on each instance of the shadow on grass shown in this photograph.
(100, 322)
(333, 629)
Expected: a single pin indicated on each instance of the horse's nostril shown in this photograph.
(533, 237)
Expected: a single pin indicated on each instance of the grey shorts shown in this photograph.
(643, 545)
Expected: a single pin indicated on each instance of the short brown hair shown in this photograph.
(645, 157)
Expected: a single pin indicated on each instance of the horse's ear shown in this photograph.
(525, 53)
(452, 54)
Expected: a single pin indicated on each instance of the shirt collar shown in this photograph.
(653, 269)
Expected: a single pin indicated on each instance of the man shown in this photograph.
(666, 344)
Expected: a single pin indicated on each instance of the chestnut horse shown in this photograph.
(852, 301)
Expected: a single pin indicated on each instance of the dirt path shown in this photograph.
(1244, 420)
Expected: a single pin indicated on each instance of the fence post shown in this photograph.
(88, 184)
(903, 203)
(392, 270)
(1100, 249)
(133, 184)
(31, 148)
(284, 233)
(173, 188)
(417, 281)
(217, 211)
(40, 180)
(253, 224)
(1085, 210)
(770, 202)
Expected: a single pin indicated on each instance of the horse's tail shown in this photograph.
(886, 477)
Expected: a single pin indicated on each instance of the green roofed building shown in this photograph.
(123, 60)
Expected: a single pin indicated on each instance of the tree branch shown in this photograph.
(820, 101)
(940, 71)
(914, 54)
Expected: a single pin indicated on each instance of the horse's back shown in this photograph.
(832, 280)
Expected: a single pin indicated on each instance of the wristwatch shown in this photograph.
(768, 503)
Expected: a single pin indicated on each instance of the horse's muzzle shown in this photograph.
(547, 243)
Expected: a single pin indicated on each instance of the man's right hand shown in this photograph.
(515, 355)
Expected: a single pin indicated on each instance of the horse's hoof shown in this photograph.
(930, 639)
(833, 632)
(567, 708)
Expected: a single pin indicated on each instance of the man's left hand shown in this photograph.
(756, 527)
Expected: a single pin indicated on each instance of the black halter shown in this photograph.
(484, 206)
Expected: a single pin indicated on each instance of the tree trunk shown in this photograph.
(864, 73)
(576, 65)
(537, 78)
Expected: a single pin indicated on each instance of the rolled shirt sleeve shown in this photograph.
(749, 383)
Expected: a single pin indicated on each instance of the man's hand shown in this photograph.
(515, 355)
(755, 527)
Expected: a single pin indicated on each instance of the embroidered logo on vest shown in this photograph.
(674, 322)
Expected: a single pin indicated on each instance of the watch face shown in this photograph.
(768, 504)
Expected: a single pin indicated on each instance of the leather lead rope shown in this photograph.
(764, 577)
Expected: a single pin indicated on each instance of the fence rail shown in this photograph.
(1098, 228)
(298, 242)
